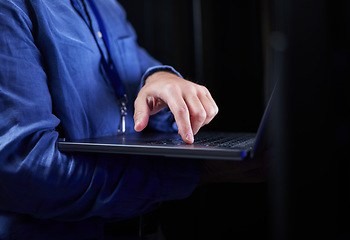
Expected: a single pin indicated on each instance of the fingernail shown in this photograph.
(190, 138)
(137, 123)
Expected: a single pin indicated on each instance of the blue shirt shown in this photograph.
(51, 86)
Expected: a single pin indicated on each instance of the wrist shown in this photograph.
(156, 69)
(159, 76)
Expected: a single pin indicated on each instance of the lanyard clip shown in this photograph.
(123, 114)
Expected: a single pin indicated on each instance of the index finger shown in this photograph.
(141, 114)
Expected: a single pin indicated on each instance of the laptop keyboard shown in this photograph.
(226, 142)
(213, 141)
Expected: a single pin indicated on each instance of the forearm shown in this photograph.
(35, 98)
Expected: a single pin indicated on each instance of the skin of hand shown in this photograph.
(191, 104)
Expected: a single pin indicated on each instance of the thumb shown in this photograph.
(141, 115)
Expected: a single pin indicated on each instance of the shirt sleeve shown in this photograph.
(39, 180)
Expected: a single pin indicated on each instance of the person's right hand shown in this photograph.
(192, 105)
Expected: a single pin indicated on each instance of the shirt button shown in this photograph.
(99, 34)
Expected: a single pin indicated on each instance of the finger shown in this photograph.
(197, 113)
(141, 114)
(181, 114)
(209, 105)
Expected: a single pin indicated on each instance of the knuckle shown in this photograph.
(213, 111)
(204, 89)
(181, 110)
(199, 116)
(171, 87)
(190, 87)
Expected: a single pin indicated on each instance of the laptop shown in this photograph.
(207, 145)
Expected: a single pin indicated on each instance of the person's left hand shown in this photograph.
(191, 104)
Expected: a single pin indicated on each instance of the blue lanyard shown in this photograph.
(108, 66)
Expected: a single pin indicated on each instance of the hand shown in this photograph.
(191, 104)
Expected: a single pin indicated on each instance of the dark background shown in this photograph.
(225, 46)
(225, 54)
(229, 62)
